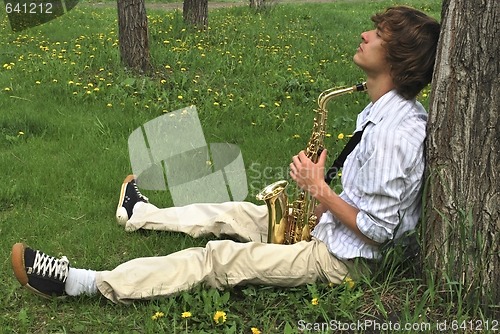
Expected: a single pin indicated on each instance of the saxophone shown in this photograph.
(293, 222)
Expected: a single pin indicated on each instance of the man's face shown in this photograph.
(371, 54)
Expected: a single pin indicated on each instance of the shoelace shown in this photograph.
(139, 193)
(50, 266)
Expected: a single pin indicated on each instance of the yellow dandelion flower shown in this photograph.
(109, 105)
(220, 317)
(180, 97)
(20, 133)
(349, 282)
(262, 105)
(186, 314)
(296, 136)
(328, 135)
(340, 136)
(157, 315)
(255, 330)
(315, 301)
(7, 89)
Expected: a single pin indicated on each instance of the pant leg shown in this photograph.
(243, 221)
(221, 263)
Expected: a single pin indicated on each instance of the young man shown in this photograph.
(381, 182)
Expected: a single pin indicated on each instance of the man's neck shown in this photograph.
(379, 86)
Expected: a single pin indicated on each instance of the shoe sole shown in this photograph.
(121, 213)
(19, 267)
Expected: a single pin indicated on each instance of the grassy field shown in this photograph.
(68, 107)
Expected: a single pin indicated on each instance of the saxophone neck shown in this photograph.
(331, 93)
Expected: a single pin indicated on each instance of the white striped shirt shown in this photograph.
(382, 177)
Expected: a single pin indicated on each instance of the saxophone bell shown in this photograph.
(277, 207)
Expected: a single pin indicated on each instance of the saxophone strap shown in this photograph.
(339, 162)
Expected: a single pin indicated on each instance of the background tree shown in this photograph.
(462, 222)
(195, 12)
(133, 35)
(257, 3)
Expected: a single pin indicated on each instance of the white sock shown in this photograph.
(80, 281)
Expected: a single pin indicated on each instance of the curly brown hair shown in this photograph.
(410, 38)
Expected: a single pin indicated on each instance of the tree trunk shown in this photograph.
(133, 35)
(195, 12)
(256, 4)
(461, 222)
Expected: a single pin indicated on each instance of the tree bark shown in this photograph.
(195, 12)
(461, 225)
(133, 35)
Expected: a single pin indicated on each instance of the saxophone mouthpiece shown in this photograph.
(361, 87)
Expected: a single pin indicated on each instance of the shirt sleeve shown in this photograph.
(384, 163)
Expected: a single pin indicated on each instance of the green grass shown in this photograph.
(68, 107)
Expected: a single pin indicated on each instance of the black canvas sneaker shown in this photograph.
(129, 196)
(42, 274)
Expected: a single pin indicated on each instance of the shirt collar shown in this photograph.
(375, 112)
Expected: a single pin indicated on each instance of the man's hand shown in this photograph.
(309, 176)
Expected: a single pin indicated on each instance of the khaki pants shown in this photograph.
(221, 262)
